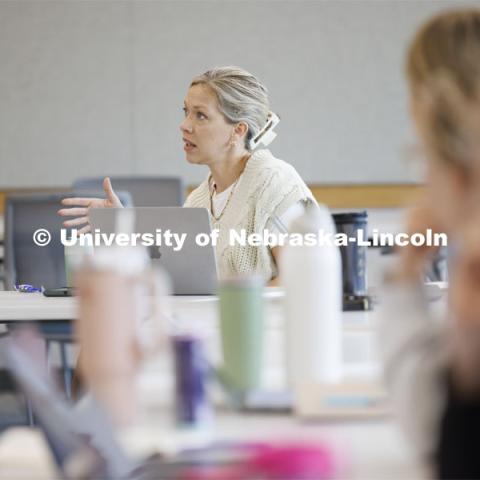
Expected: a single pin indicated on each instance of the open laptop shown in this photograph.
(192, 268)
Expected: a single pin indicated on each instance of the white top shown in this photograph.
(276, 225)
(219, 200)
(268, 188)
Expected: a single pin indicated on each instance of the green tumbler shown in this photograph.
(241, 330)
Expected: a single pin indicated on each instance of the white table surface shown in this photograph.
(198, 314)
(372, 448)
(18, 307)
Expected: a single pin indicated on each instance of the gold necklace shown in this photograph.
(217, 219)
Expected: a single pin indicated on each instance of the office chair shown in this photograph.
(2, 273)
(145, 191)
(26, 262)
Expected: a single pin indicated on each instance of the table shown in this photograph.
(376, 449)
(198, 313)
(16, 307)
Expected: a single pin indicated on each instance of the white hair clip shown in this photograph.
(266, 134)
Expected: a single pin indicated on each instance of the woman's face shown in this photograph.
(206, 134)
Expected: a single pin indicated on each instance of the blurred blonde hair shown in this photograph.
(241, 97)
(443, 72)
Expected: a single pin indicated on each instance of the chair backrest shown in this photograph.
(26, 262)
(145, 191)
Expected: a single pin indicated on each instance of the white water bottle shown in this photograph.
(312, 277)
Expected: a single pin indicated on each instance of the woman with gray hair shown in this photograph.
(227, 116)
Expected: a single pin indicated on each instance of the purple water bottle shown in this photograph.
(192, 405)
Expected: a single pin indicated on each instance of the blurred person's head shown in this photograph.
(225, 108)
(443, 72)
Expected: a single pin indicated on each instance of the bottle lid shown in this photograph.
(243, 281)
(127, 260)
(350, 217)
(316, 217)
(124, 260)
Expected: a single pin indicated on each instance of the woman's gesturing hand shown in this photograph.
(79, 207)
(412, 259)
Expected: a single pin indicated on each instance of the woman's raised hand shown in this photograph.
(412, 259)
(79, 207)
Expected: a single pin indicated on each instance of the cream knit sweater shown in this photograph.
(268, 187)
